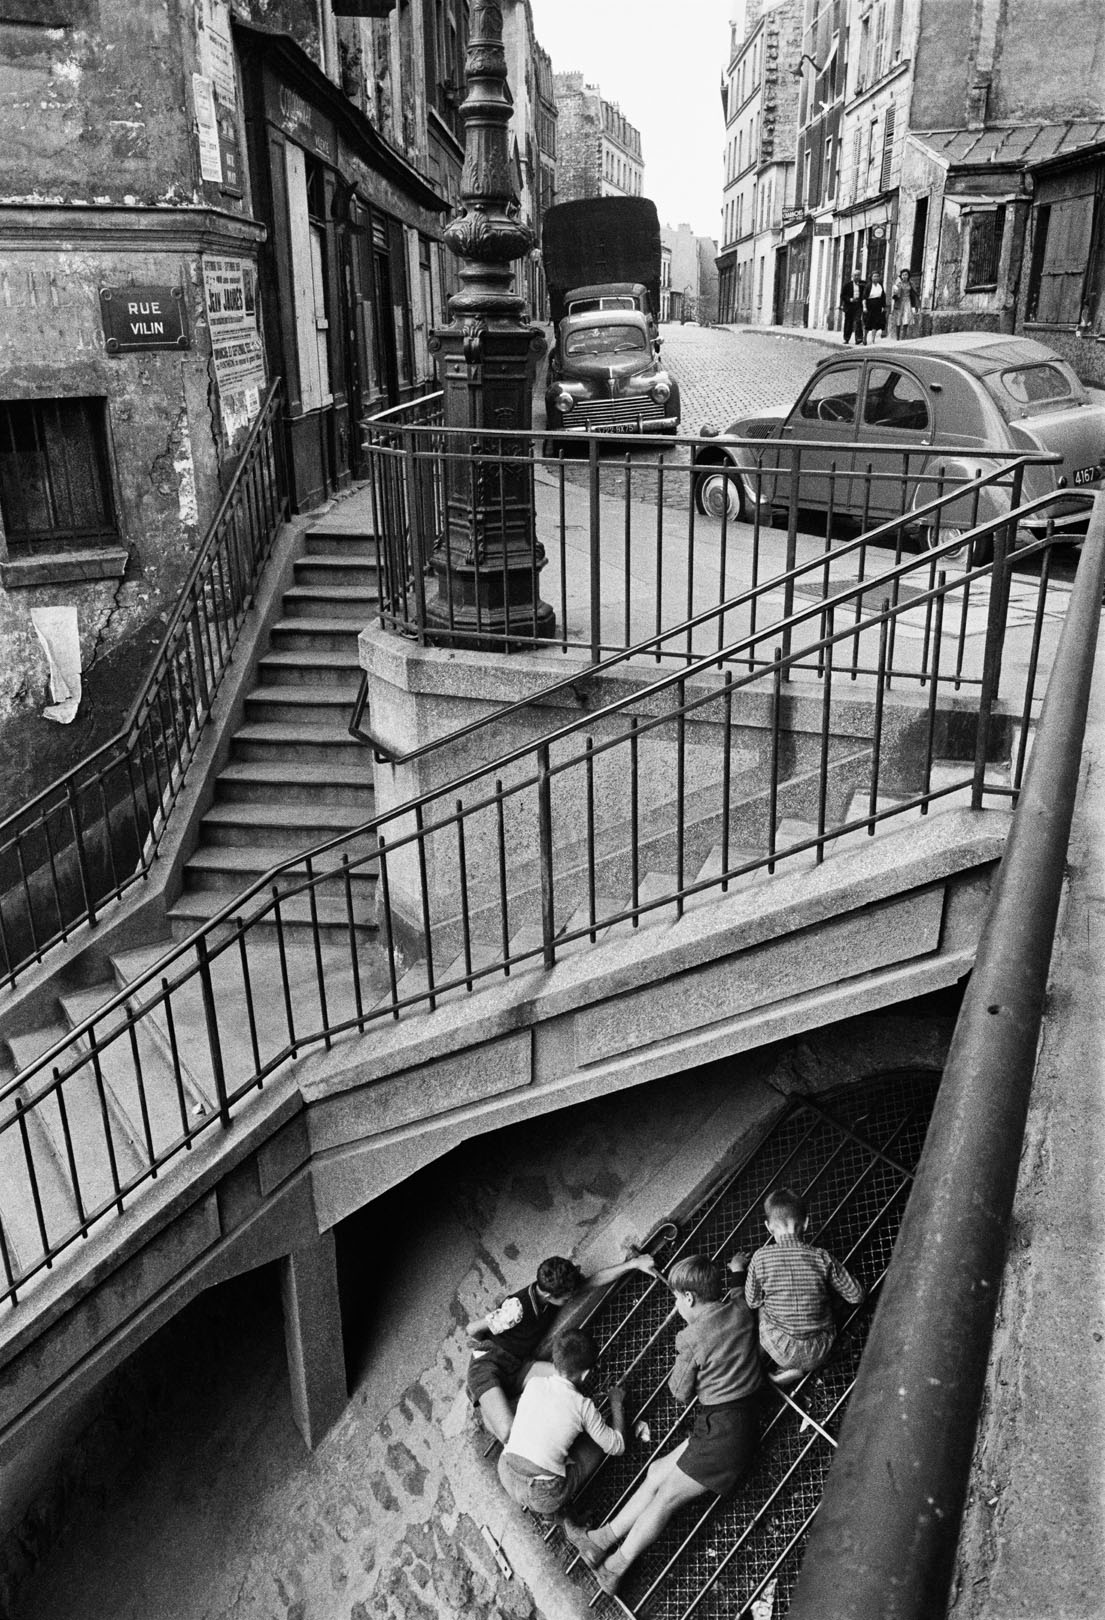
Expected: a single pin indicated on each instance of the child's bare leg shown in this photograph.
(671, 1490)
(497, 1413)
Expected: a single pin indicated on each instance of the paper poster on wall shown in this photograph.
(207, 128)
(216, 51)
(230, 291)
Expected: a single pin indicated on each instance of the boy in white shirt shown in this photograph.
(558, 1437)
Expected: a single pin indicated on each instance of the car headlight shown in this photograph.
(564, 402)
(660, 391)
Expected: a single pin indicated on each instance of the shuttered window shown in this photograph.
(887, 149)
(1060, 260)
(984, 249)
(55, 481)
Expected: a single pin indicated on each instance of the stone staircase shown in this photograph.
(295, 777)
(154, 1081)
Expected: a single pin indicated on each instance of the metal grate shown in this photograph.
(852, 1156)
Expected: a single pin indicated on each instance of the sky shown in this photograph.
(661, 61)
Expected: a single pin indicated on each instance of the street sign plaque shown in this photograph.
(143, 317)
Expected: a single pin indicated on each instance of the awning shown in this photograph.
(791, 233)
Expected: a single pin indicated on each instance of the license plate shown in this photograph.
(1086, 475)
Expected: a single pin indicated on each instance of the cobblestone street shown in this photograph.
(722, 372)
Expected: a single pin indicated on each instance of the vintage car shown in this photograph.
(957, 391)
(605, 375)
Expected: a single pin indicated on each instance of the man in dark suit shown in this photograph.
(852, 294)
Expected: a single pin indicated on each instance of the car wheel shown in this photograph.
(981, 552)
(720, 494)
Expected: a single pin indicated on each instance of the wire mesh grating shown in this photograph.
(852, 1155)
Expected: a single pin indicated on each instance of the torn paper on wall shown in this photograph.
(56, 628)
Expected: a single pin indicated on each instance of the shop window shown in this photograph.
(55, 476)
(984, 248)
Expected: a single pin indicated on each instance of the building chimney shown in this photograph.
(978, 101)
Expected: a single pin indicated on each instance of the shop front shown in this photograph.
(349, 287)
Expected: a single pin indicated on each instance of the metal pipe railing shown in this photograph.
(883, 1544)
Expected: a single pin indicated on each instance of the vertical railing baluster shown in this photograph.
(504, 903)
(78, 844)
(876, 730)
(351, 933)
(139, 1080)
(211, 1020)
(680, 794)
(726, 779)
(178, 1073)
(424, 887)
(634, 816)
(773, 778)
(465, 913)
(1033, 665)
(594, 542)
(589, 773)
(389, 927)
(826, 723)
(70, 1155)
(21, 1111)
(545, 855)
(105, 1120)
(316, 943)
(934, 686)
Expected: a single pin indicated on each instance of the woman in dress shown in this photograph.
(903, 303)
(874, 309)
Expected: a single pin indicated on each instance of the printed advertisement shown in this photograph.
(207, 127)
(230, 291)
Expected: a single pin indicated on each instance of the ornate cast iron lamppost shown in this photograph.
(488, 559)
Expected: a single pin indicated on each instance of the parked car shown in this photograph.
(959, 391)
(605, 374)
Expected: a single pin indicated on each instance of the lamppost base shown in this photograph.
(462, 615)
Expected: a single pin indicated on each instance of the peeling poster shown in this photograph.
(56, 629)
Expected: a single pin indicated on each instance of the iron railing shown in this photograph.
(629, 555)
(709, 775)
(94, 832)
(703, 580)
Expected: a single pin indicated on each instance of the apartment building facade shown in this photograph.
(598, 149)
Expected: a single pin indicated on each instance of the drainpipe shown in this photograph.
(883, 1543)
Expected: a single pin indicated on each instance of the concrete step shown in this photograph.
(251, 781)
(274, 821)
(315, 704)
(335, 631)
(195, 907)
(140, 1071)
(330, 602)
(98, 1130)
(331, 666)
(306, 744)
(21, 1155)
(229, 868)
(330, 568)
(325, 536)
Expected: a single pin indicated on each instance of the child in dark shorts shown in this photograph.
(505, 1340)
(558, 1437)
(717, 1362)
(791, 1284)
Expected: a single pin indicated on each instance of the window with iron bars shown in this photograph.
(55, 476)
(984, 248)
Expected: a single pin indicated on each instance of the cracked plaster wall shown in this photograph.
(162, 424)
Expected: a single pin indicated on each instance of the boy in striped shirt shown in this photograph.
(791, 1284)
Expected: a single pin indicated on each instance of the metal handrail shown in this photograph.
(268, 882)
(385, 754)
(187, 968)
(190, 643)
(879, 1553)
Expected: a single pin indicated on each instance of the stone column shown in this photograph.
(488, 559)
(313, 1336)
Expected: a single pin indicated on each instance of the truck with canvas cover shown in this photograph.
(602, 253)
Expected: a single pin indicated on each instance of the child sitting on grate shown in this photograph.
(558, 1438)
(505, 1340)
(791, 1284)
(717, 1364)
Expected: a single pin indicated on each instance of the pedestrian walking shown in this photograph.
(852, 294)
(903, 304)
(874, 309)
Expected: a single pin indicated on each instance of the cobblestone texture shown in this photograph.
(722, 372)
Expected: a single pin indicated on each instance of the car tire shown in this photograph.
(721, 493)
(981, 552)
